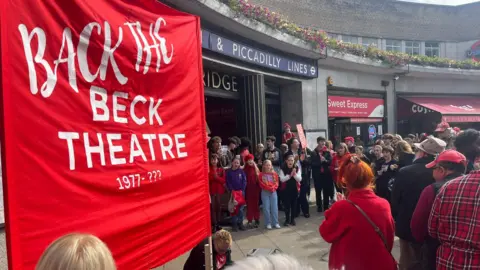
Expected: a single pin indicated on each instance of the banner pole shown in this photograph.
(208, 254)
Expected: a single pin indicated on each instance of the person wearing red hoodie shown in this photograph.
(252, 191)
(268, 180)
(216, 177)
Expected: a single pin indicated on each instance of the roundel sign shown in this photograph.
(474, 52)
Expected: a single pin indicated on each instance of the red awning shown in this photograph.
(365, 120)
(453, 109)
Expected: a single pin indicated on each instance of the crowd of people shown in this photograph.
(425, 189)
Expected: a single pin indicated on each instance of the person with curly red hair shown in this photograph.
(360, 227)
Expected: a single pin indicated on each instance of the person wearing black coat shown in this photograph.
(407, 188)
(221, 253)
(320, 161)
(303, 162)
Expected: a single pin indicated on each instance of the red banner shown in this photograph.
(340, 106)
(104, 128)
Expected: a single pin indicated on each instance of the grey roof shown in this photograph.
(383, 18)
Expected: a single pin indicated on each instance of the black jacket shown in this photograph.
(317, 164)
(405, 159)
(196, 259)
(275, 155)
(409, 184)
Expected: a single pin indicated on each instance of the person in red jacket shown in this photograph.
(252, 191)
(338, 159)
(351, 224)
(216, 177)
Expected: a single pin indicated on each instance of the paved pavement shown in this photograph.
(302, 241)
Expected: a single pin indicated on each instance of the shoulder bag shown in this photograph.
(375, 227)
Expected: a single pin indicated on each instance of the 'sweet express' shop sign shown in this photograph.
(258, 57)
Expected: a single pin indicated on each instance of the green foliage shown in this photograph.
(319, 40)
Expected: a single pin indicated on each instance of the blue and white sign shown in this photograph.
(259, 57)
(205, 39)
(372, 131)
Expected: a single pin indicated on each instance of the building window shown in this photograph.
(332, 36)
(369, 41)
(412, 47)
(393, 45)
(350, 39)
(432, 49)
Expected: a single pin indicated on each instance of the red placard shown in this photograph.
(340, 106)
(104, 128)
(301, 136)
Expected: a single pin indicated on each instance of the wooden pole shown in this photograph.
(208, 255)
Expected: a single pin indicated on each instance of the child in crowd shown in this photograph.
(237, 181)
(268, 180)
(253, 191)
(216, 177)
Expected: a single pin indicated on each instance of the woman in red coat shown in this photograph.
(216, 177)
(355, 243)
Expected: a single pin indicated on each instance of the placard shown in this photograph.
(103, 129)
(301, 136)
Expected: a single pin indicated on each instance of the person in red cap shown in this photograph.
(449, 165)
(350, 141)
(455, 219)
(287, 133)
(445, 133)
(252, 191)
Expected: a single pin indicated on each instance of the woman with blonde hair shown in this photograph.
(221, 252)
(404, 154)
(360, 227)
(77, 251)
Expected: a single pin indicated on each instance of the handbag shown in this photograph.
(375, 227)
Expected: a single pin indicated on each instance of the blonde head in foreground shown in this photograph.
(271, 262)
(77, 252)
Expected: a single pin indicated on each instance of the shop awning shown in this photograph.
(453, 109)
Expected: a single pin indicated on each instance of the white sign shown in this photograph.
(380, 130)
(358, 130)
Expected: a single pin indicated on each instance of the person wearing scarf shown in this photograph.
(252, 192)
(338, 160)
(290, 176)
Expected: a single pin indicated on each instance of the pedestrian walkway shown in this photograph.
(302, 241)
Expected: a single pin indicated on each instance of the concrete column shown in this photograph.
(255, 108)
(390, 100)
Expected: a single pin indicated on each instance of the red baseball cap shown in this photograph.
(448, 156)
(349, 139)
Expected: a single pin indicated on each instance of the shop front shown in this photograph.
(422, 114)
(358, 117)
(222, 103)
(244, 84)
